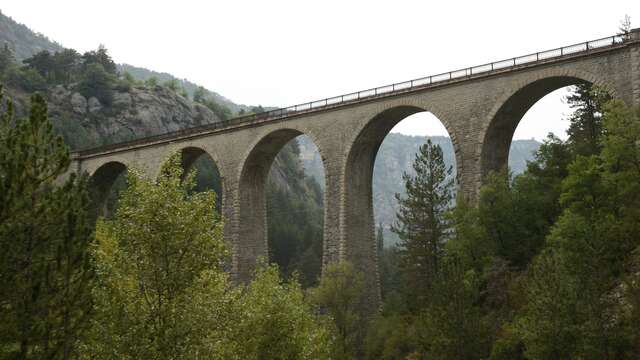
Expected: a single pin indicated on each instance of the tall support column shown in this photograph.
(332, 194)
(250, 240)
(634, 36)
(358, 244)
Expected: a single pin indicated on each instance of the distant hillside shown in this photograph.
(22, 40)
(24, 43)
(143, 74)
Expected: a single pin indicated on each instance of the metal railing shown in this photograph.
(386, 90)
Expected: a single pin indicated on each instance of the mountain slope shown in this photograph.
(143, 74)
(22, 40)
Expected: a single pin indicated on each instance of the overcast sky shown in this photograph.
(278, 53)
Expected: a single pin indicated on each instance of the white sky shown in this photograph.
(278, 53)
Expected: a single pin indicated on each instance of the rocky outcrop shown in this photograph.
(137, 112)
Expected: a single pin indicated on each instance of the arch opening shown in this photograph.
(383, 150)
(207, 174)
(523, 121)
(105, 185)
(284, 204)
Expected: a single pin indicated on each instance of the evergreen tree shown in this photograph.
(591, 247)
(96, 82)
(66, 66)
(43, 63)
(45, 234)
(452, 325)
(421, 223)
(101, 57)
(585, 129)
(7, 58)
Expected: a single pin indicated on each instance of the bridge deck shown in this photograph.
(498, 67)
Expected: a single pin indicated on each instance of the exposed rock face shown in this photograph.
(78, 102)
(94, 105)
(138, 112)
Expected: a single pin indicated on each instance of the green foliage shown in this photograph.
(578, 304)
(204, 97)
(585, 129)
(41, 62)
(276, 322)
(27, 79)
(66, 66)
(7, 58)
(391, 337)
(151, 82)
(422, 225)
(163, 293)
(452, 326)
(101, 57)
(97, 82)
(171, 85)
(162, 304)
(45, 233)
(339, 295)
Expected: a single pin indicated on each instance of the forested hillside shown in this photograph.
(22, 41)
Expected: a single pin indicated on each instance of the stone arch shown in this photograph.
(357, 222)
(189, 155)
(496, 135)
(100, 183)
(251, 242)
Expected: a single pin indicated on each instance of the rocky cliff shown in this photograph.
(134, 113)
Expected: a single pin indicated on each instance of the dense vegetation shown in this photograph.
(546, 264)
(68, 292)
(544, 267)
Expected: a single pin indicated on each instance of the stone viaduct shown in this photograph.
(479, 106)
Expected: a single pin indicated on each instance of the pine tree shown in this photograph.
(421, 223)
(45, 232)
(7, 58)
(585, 129)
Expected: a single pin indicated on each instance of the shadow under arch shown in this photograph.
(358, 243)
(101, 183)
(208, 176)
(251, 226)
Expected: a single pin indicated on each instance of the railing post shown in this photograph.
(586, 44)
(537, 56)
(411, 84)
(561, 51)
